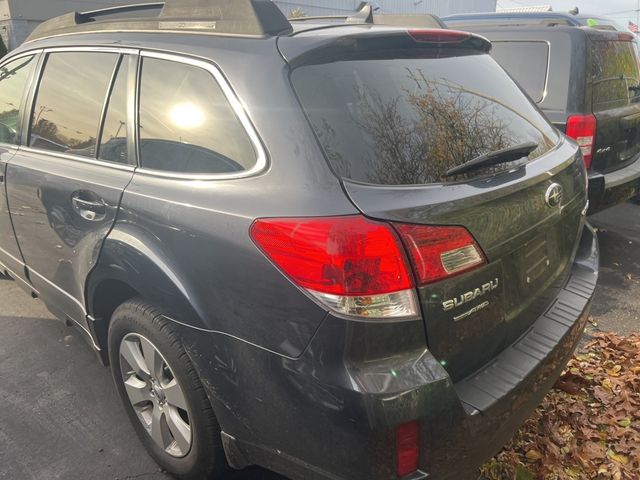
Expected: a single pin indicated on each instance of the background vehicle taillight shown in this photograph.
(440, 252)
(353, 265)
(582, 128)
(407, 448)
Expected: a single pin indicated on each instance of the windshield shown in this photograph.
(403, 121)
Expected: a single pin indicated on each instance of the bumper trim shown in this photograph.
(622, 176)
(557, 329)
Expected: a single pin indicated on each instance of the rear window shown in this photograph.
(614, 68)
(530, 74)
(404, 121)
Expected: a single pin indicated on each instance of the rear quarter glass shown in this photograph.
(614, 68)
(407, 119)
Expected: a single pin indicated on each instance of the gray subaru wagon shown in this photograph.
(333, 249)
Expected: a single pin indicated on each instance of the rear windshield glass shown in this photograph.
(405, 121)
(532, 74)
(614, 68)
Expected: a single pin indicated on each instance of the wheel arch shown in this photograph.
(131, 266)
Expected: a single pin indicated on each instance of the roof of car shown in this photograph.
(252, 18)
(533, 19)
(246, 18)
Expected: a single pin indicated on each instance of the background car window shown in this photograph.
(187, 124)
(532, 74)
(113, 143)
(69, 102)
(614, 68)
(13, 83)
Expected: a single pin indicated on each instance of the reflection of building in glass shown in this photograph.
(19, 17)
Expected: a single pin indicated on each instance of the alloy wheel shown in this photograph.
(156, 395)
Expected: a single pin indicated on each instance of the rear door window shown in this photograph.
(527, 63)
(14, 78)
(187, 124)
(69, 102)
(403, 121)
(614, 68)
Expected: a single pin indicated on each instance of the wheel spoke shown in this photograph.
(180, 430)
(137, 390)
(175, 395)
(152, 358)
(156, 426)
(130, 351)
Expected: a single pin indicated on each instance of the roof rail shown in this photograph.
(225, 17)
(365, 14)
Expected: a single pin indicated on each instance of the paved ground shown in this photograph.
(60, 417)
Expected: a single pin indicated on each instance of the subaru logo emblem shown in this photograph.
(553, 197)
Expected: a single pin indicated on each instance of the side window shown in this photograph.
(187, 124)
(69, 102)
(113, 142)
(13, 83)
(614, 69)
(532, 74)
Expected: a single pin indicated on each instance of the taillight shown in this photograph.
(440, 252)
(353, 265)
(582, 128)
(407, 448)
(439, 36)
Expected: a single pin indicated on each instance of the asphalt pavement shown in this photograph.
(60, 417)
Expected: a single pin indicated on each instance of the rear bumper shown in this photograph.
(613, 188)
(327, 415)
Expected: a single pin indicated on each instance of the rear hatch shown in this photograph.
(393, 115)
(615, 95)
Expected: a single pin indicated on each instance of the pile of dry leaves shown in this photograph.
(588, 426)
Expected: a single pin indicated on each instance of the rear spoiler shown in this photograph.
(313, 49)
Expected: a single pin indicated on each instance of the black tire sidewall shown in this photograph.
(206, 458)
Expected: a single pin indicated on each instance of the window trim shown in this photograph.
(235, 104)
(25, 104)
(545, 93)
(34, 87)
(105, 105)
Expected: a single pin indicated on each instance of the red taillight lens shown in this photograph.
(440, 252)
(407, 448)
(439, 36)
(355, 266)
(582, 128)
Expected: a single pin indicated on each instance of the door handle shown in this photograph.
(93, 210)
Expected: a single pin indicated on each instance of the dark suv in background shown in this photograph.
(584, 75)
(336, 250)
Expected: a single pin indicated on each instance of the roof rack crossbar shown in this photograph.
(257, 18)
(92, 14)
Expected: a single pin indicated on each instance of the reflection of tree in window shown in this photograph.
(614, 70)
(404, 121)
(447, 127)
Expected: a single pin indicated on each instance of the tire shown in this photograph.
(170, 403)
